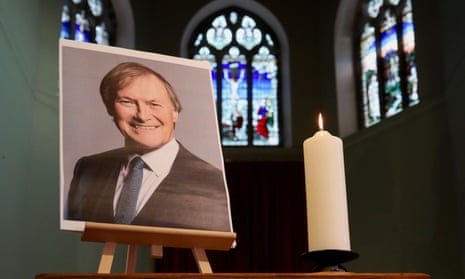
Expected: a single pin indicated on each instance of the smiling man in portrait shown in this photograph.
(153, 180)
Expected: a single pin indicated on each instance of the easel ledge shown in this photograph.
(157, 237)
(170, 237)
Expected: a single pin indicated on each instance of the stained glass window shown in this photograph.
(243, 53)
(388, 81)
(88, 21)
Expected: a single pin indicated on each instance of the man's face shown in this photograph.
(144, 114)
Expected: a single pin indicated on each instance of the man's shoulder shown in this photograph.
(117, 154)
(192, 172)
(186, 157)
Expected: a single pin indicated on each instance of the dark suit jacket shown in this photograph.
(193, 195)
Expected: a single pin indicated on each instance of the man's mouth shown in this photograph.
(145, 127)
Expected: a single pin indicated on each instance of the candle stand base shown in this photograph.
(329, 260)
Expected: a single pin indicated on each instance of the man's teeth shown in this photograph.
(145, 127)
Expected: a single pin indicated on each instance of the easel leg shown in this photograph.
(131, 259)
(202, 260)
(157, 251)
(106, 259)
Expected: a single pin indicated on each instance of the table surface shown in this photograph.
(314, 275)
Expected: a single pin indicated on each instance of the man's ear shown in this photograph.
(175, 116)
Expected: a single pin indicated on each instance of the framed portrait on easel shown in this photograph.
(139, 141)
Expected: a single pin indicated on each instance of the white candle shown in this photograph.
(327, 216)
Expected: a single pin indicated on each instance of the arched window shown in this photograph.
(88, 21)
(245, 55)
(385, 65)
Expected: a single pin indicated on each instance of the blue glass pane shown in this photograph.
(245, 78)
(218, 35)
(214, 79)
(248, 35)
(205, 55)
(65, 23)
(265, 99)
(374, 7)
(408, 40)
(387, 84)
(234, 99)
(370, 84)
(88, 21)
(389, 46)
(82, 29)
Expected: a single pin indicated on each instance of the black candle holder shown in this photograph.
(329, 259)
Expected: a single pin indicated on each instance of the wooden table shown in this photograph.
(315, 275)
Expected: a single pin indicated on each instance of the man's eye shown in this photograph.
(156, 105)
(125, 102)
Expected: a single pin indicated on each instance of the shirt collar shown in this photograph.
(161, 160)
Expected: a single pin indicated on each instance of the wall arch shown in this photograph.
(346, 95)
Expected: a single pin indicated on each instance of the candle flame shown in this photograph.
(320, 121)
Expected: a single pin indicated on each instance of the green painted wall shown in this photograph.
(405, 178)
(29, 151)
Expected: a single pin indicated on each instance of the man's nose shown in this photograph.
(143, 112)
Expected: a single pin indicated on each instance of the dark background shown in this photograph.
(405, 178)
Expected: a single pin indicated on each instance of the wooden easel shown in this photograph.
(156, 237)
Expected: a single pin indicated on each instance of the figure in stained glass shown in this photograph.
(374, 111)
(234, 77)
(90, 21)
(82, 30)
(386, 41)
(265, 119)
(65, 23)
(245, 75)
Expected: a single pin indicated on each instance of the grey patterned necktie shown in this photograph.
(126, 207)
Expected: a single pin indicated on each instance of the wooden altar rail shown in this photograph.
(316, 275)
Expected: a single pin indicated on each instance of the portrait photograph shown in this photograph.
(139, 140)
